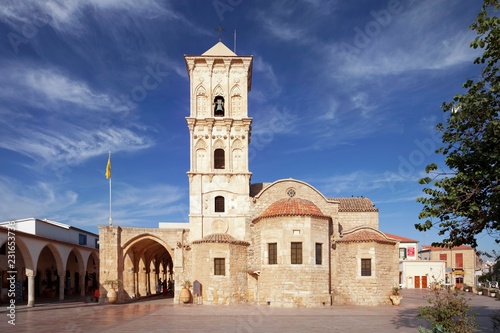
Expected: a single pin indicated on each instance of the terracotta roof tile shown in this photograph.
(355, 204)
(220, 238)
(365, 236)
(438, 248)
(291, 207)
(400, 238)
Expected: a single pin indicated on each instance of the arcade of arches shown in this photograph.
(135, 259)
(47, 268)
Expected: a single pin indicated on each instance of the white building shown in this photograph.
(50, 260)
(415, 273)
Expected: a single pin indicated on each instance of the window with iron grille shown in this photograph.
(219, 159)
(366, 267)
(272, 253)
(319, 258)
(296, 253)
(219, 266)
(219, 204)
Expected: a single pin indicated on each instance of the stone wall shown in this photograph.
(230, 288)
(349, 287)
(286, 284)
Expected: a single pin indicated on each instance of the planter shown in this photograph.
(112, 296)
(396, 299)
(185, 295)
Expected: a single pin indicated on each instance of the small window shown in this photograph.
(219, 266)
(402, 253)
(82, 239)
(219, 159)
(219, 204)
(442, 256)
(319, 258)
(296, 253)
(366, 267)
(273, 253)
(96, 243)
(459, 260)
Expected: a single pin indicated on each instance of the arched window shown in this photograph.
(219, 106)
(219, 159)
(219, 204)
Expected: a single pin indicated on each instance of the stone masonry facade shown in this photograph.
(278, 244)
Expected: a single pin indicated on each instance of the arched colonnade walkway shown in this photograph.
(45, 268)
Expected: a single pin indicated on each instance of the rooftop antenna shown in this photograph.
(234, 41)
(220, 30)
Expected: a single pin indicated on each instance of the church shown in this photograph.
(280, 244)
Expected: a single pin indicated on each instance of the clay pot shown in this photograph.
(112, 296)
(185, 295)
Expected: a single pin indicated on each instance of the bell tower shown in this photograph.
(219, 130)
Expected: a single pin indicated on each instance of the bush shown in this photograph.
(447, 312)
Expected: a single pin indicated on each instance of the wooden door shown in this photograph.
(424, 282)
(417, 281)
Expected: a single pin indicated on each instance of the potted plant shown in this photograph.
(396, 296)
(112, 291)
(185, 294)
(479, 290)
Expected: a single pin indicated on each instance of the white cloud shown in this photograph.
(32, 200)
(416, 39)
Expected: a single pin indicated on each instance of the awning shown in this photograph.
(458, 272)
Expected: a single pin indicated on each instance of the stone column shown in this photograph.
(62, 282)
(148, 283)
(31, 287)
(110, 262)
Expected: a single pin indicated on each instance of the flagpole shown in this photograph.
(108, 175)
(110, 214)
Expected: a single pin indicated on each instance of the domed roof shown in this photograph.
(220, 238)
(291, 207)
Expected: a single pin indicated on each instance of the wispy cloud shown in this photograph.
(33, 200)
(406, 42)
(79, 122)
(135, 206)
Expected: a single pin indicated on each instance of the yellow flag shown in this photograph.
(108, 168)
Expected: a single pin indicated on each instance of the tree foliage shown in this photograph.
(448, 312)
(464, 201)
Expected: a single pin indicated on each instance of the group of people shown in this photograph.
(163, 286)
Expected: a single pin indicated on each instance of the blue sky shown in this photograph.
(345, 96)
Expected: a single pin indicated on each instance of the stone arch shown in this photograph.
(91, 273)
(49, 280)
(144, 255)
(25, 252)
(76, 271)
(201, 101)
(236, 102)
(237, 155)
(219, 144)
(201, 155)
(218, 91)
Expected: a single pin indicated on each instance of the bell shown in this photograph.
(219, 107)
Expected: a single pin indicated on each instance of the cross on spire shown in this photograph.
(220, 30)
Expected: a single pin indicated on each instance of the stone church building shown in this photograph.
(274, 244)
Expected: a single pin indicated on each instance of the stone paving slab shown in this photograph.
(159, 314)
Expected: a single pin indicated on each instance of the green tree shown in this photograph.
(447, 312)
(464, 199)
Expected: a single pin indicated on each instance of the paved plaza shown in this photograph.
(160, 314)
